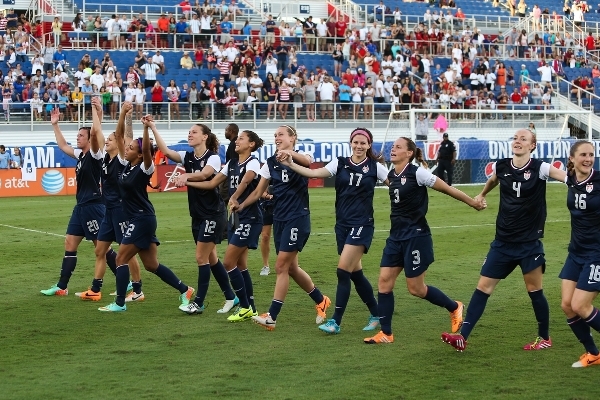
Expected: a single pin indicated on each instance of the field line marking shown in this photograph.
(32, 230)
(312, 233)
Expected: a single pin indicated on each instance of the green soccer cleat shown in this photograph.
(55, 291)
(186, 296)
(113, 307)
(129, 289)
(241, 314)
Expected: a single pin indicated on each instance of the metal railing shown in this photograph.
(255, 114)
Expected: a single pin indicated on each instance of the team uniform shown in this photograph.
(409, 245)
(89, 211)
(519, 228)
(207, 209)
(114, 224)
(291, 213)
(209, 222)
(520, 220)
(354, 190)
(247, 231)
(583, 262)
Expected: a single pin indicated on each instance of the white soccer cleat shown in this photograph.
(228, 305)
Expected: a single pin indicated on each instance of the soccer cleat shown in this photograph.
(55, 291)
(265, 320)
(265, 271)
(228, 305)
(129, 289)
(113, 307)
(380, 338)
(372, 324)
(89, 295)
(456, 317)
(538, 344)
(586, 360)
(187, 296)
(322, 310)
(133, 296)
(330, 327)
(192, 308)
(241, 314)
(455, 340)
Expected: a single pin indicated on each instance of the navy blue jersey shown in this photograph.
(290, 191)
(235, 172)
(522, 212)
(354, 189)
(133, 184)
(203, 203)
(88, 173)
(111, 171)
(409, 199)
(583, 201)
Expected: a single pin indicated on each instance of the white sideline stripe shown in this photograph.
(312, 233)
(32, 230)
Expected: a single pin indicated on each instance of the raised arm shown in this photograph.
(288, 160)
(128, 124)
(96, 135)
(60, 139)
(162, 146)
(146, 149)
(119, 132)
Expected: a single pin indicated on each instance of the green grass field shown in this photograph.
(63, 348)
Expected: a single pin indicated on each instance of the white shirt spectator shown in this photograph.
(231, 53)
(271, 65)
(379, 89)
(242, 84)
(326, 91)
(546, 73)
(123, 24)
(195, 26)
(37, 63)
(426, 65)
(98, 80)
(356, 93)
(322, 30)
(150, 70)
(158, 59)
(449, 76)
(140, 96)
(256, 83)
(387, 71)
(81, 75)
(205, 22)
(130, 93)
(362, 33)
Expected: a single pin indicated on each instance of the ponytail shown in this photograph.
(212, 143)
(419, 157)
(254, 138)
(570, 168)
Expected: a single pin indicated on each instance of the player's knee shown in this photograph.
(417, 290)
(565, 304)
(121, 259)
(385, 284)
(582, 308)
(281, 268)
(265, 239)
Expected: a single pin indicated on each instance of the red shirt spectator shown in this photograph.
(157, 93)
(515, 97)
(590, 43)
(460, 14)
(340, 28)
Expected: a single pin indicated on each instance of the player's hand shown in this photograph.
(55, 116)
(284, 157)
(479, 203)
(181, 180)
(127, 107)
(234, 206)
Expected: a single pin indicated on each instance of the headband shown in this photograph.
(139, 141)
(291, 128)
(362, 132)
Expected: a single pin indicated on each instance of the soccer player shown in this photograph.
(266, 205)
(207, 209)
(140, 236)
(114, 223)
(291, 219)
(581, 272)
(89, 210)
(355, 179)
(409, 246)
(519, 228)
(245, 226)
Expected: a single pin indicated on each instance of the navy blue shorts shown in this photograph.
(291, 235)
(141, 232)
(354, 235)
(209, 229)
(85, 221)
(585, 272)
(246, 235)
(415, 255)
(504, 257)
(267, 215)
(113, 225)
